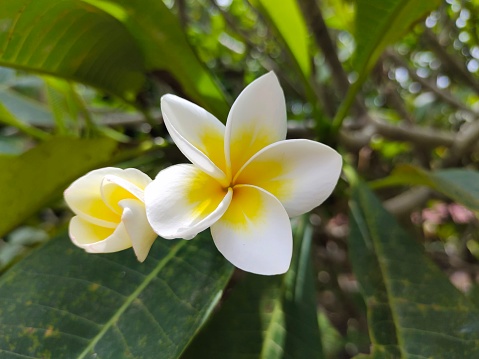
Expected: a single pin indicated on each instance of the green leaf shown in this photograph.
(380, 23)
(167, 53)
(290, 25)
(462, 185)
(73, 40)
(32, 179)
(413, 309)
(61, 302)
(267, 317)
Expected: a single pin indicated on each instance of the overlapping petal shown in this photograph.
(98, 239)
(257, 119)
(183, 200)
(111, 215)
(197, 133)
(84, 198)
(300, 173)
(130, 185)
(137, 227)
(254, 234)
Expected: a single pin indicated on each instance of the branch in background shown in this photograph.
(442, 94)
(397, 102)
(455, 69)
(419, 136)
(426, 138)
(465, 140)
(317, 26)
(407, 201)
(183, 17)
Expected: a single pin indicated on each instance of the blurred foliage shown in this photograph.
(393, 85)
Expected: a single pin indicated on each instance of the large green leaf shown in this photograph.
(70, 39)
(462, 185)
(286, 17)
(166, 50)
(61, 302)
(30, 180)
(266, 317)
(413, 309)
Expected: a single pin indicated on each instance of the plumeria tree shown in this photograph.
(239, 179)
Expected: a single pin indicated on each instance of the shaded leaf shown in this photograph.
(61, 302)
(37, 176)
(25, 109)
(9, 119)
(462, 185)
(73, 40)
(266, 317)
(167, 53)
(413, 309)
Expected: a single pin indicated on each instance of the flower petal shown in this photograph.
(97, 239)
(300, 173)
(183, 200)
(197, 133)
(257, 119)
(84, 198)
(130, 185)
(136, 224)
(255, 233)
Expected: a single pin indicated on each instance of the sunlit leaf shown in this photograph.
(413, 309)
(31, 180)
(462, 185)
(267, 317)
(73, 40)
(61, 302)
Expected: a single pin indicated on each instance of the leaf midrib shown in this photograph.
(389, 296)
(131, 298)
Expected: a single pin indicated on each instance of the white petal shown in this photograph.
(197, 133)
(183, 200)
(255, 233)
(300, 173)
(97, 239)
(257, 119)
(84, 198)
(114, 189)
(136, 224)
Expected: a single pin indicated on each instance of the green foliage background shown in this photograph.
(393, 85)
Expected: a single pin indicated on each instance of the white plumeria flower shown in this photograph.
(110, 212)
(246, 180)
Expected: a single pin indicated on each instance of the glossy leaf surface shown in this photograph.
(413, 309)
(61, 302)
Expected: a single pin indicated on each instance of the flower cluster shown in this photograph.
(244, 182)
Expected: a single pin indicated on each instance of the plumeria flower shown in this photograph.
(246, 180)
(110, 212)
